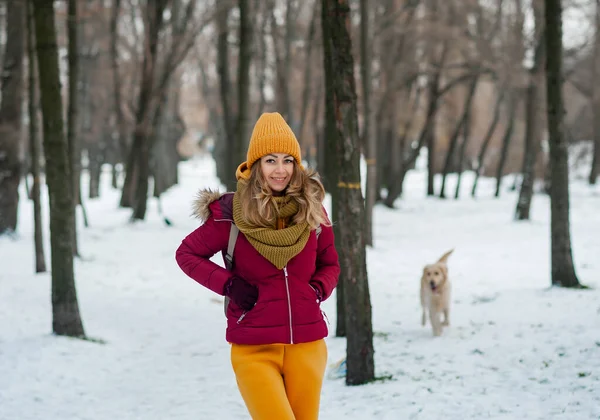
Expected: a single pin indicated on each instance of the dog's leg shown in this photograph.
(446, 317)
(436, 324)
(423, 304)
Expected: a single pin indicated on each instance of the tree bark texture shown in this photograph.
(141, 138)
(563, 270)
(10, 115)
(429, 130)
(245, 61)
(225, 145)
(331, 171)
(339, 70)
(595, 169)
(72, 112)
(308, 79)
(513, 103)
(461, 153)
(368, 135)
(65, 309)
(114, 59)
(533, 128)
(35, 145)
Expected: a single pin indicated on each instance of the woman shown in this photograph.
(284, 265)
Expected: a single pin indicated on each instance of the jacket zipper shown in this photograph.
(242, 316)
(287, 289)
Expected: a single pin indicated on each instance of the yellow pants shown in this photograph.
(280, 381)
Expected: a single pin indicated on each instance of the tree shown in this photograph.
(342, 123)
(169, 34)
(141, 143)
(10, 116)
(114, 61)
(72, 114)
(35, 145)
(368, 136)
(533, 129)
(65, 309)
(245, 61)
(563, 271)
(486, 141)
(226, 160)
(460, 126)
(595, 170)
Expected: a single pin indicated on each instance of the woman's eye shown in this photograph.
(289, 161)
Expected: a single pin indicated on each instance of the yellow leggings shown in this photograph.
(280, 381)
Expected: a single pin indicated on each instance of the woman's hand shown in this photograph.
(242, 293)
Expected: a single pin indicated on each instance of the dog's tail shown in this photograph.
(444, 258)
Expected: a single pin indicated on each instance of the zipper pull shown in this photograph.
(242, 317)
(325, 317)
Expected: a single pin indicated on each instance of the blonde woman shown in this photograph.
(284, 265)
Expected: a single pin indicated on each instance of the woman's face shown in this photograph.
(277, 169)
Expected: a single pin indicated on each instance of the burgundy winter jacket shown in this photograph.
(287, 310)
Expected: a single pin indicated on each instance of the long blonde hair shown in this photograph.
(258, 202)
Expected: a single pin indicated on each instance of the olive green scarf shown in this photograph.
(277, 246)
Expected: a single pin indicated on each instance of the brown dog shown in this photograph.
(435, 294)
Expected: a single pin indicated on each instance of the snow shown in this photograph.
(516, 349)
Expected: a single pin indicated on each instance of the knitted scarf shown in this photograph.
(277, 246)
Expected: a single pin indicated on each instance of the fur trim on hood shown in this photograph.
(201, 204)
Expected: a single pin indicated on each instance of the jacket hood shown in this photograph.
(201, 204)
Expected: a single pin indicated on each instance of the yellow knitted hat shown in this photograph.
(271, 134)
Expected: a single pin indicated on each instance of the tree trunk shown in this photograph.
(368, 135)
(72, 114)
(141, 140)
(330, 170)
(563, 270)
(263, 13)
(118, 101)
(94, 169)
(290, 15)
(10, 116)
(435, 93)
(318, 131)
(114, 178)
(595, 169)
(308, 82)
(531, 152)
(462, 151)
(486, 141)
(168, 129)
(512, 109)
(430, 131)
(283, 62)
(131, 175)
(455, 136)
(65, 309)
(35, 145)
(224, 149)
(339, 71)
(533, 129)
(395, 150)
(245, 61)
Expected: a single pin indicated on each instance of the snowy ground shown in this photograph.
(517, 349)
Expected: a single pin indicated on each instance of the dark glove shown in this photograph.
(242, 293)
(317, 288)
